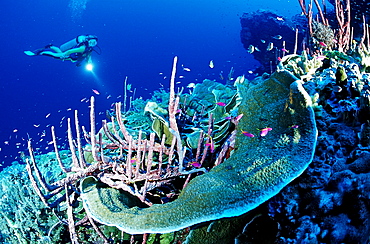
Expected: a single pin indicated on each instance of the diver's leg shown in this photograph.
(52, 54)
(55, 49)
(43, 50)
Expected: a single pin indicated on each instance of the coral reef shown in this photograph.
(180, 163)
(232, 166)
(327, 204)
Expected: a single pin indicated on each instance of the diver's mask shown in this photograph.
(92, 40)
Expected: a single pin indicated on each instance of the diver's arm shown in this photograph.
(88, 59)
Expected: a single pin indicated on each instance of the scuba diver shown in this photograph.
(76, 50)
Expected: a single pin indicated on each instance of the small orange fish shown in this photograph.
(211, 144)
(133, 160)
(237, 118)
(247, 134)
(112, 147)
(211, 64)
(284, 50)
(221, 104)
(96, 92)
(323, 44)
(321, 57)
(196, 164)
(264, 131)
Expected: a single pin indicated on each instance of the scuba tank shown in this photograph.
(68, 45)
(74, 42)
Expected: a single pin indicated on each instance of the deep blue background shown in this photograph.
(138, 39)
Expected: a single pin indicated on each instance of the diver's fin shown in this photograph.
(29, 53)
(36, 52)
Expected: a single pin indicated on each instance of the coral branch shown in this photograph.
(96, 228)
(35, 186)
(71, 224)
(120, 122)
(172, 106)
(92, 129)
(344, 31)
(302, 3)
(57, 151)
(150, 153)
(79, 146)
(324, 20)
(76, 165)
(37, 171)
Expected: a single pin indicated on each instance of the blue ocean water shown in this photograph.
(138, 39)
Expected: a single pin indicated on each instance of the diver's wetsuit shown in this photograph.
(74, 57)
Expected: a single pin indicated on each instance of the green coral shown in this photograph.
(206, 95)
(337, 57)
(362, 56)
(302, 66)
(200, 103)
(341, 76)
